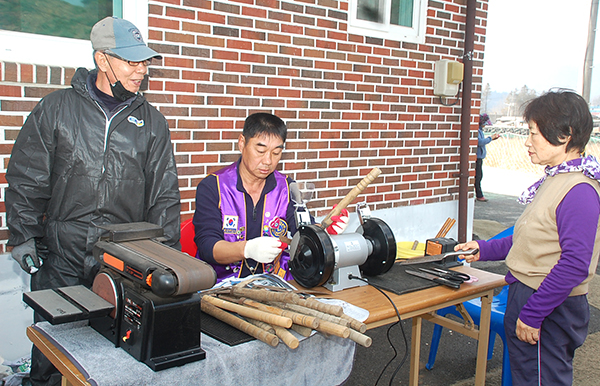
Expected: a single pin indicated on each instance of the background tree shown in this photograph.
(517, 99)
(485, 96)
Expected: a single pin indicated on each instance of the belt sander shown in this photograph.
(144, 299)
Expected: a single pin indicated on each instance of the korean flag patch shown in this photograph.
(230, 224)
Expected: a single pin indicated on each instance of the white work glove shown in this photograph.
(26, 255)
(340, 223)
(263, 249)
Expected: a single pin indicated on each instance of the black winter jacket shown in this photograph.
(67, 175)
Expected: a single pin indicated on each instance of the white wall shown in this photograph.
(420, 222)
(15, 315)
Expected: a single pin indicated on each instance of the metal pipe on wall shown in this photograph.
(588, 64)
(465, 122)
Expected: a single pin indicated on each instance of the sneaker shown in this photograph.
(482, 199)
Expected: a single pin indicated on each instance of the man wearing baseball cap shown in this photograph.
(91, 155)
(121, 57)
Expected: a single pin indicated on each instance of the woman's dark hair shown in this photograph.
(264, 123)
(559, 114)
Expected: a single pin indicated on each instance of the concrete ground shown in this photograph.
(456, 358)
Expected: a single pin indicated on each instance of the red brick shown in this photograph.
(10, 91)
(210, 41)
(179, 37)
(239, 44)
(6, 149)
(254, 12)
(182, 87)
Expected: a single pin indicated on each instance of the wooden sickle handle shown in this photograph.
(240, 324)
(358, 189)
(249, 312)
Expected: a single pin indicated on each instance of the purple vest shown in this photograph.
(233, 209)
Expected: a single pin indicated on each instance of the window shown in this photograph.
(57, 32)
(403, 20)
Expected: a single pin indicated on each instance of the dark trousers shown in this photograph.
(550, 361)
(49, 276)
(478, 177)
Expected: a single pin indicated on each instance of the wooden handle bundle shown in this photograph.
(347, 200)
(265, 296)
(269, 315)
(299, 319)
(446, 227)
(286, 297)
(249, 312)
(240, 324)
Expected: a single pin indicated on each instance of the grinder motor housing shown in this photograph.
(322, 259)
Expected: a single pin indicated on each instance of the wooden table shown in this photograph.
(418, 305)
(71, 374)
(422, 304)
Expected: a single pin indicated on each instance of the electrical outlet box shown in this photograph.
(448, 74)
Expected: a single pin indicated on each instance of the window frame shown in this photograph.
(414, 34)
(21, 47)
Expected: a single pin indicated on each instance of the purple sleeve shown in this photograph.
(494, 249)
(577, 220)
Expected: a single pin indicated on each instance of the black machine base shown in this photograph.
(178, 359)
(160, 332)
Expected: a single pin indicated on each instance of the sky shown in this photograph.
(539, 44)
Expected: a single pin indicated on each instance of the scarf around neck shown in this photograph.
(588, 165)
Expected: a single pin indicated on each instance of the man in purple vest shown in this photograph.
(242, 209)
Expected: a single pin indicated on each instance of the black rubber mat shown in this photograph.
(222, 331)
(399, 282)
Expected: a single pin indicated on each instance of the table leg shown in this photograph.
(65, 382)
(483, 339)
(415, 350)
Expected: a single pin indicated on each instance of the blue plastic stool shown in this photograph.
(473, 307)
(504, 233)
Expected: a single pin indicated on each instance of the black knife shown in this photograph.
(437, 279)
(434, 258)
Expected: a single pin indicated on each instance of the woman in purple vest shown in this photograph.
(242, 209)
(553, 252)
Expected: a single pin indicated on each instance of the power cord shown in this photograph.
(457, 97)
(351, 277)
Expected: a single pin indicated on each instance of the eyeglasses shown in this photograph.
(146, 62)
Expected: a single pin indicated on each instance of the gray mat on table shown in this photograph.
(396, 280)
(319, 360)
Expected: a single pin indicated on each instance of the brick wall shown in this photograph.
(351, 102)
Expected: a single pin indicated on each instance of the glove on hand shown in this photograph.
(26, 255)
(340, 223)
(263, 249)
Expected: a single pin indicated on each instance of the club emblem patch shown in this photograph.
(135, 121)
(278, 227)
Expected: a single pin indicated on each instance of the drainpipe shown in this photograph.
(465, 122)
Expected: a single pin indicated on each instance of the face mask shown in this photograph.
(118, 90)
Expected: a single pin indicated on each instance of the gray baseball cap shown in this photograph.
(121, 38)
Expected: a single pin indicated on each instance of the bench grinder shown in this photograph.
(317, 258)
